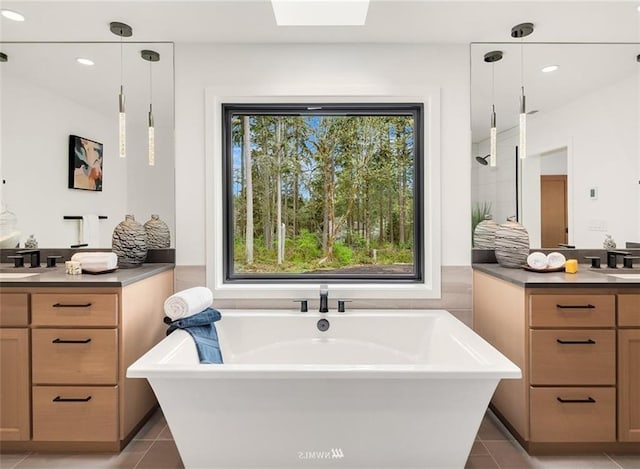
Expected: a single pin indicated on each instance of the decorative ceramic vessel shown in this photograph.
(129, 242)
(9, 233)
(609, 242)
(484, 236)
(512, 244)
(31, 243)
(158, 235)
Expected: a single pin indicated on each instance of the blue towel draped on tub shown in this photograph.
(202, 328)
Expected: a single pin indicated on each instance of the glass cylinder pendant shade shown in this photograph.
(152, 140)
(522, 148)
(493, 139)
(122, 127)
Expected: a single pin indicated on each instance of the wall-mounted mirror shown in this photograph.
(580, 179)
(46, 96)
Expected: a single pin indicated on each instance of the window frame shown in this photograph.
(401, 108)
(365, 294)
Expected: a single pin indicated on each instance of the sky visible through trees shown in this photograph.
(322, 192)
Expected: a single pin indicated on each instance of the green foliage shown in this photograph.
(342, 254)
(479, 213)
(304, 248)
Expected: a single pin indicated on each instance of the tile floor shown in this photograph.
(153, 448)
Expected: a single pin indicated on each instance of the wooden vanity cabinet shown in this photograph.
(82, 341)
(15, 415)
(629, 367)
(75, 366)
(579, 352)
(572, 365)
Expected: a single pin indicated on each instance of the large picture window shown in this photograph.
(323, 192)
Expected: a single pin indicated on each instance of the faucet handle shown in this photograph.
(304, 306)
(51, 260)
(627, 261)
(18, 261)
(341, 305)
(595, 261)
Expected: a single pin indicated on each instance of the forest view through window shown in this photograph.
(323, 192)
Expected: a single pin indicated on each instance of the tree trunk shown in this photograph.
(391, 227)
(401, 182)
(279, 189)
(381, 216)
(246, 147)
(294, 215)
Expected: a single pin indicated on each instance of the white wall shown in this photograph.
(36, 125)
(296, 69)
(600, 131)
(150, 189)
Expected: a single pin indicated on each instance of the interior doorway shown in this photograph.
(553, 210)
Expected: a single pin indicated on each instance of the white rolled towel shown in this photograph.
(96, 261)
(188, 302)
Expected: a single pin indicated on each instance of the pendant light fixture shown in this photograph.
(521, 31)
(492, 57)
(151, 56)
(122, 30)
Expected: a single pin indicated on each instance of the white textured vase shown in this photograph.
(512, 244)
(484, 236)
(129, 242)
(158, 235)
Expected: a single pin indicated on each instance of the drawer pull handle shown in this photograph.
(575, 306)
(71, 399)
(71, 305)
(576, 342)
(588, 400)
(70, 341)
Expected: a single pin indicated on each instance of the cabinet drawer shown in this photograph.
(585, 415)
(74, 356)
(573, 356)
(75, 413)
(74, 309)
(14, 309)
(629, 310)
(572, 310)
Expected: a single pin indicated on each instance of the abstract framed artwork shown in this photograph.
(85, 164)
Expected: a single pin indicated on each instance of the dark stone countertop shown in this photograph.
(585, 277)
(56, 277)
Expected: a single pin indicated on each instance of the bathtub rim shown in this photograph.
(153, 364)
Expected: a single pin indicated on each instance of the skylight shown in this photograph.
(320, 12)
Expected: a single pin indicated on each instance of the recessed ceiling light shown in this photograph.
(320, 12)
(84, 61)
(550, 68)
(638, 7)
(12, 15)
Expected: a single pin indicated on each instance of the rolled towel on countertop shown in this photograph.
(96, 261)
(537, 260)
(188, 302)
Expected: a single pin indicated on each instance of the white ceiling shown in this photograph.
(583, 68)
(388, 21)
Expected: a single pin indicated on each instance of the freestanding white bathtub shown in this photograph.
(379, 389)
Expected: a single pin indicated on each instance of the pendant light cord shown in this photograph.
(493, 86)
(121, 60)
(522, 64)
(150, 85)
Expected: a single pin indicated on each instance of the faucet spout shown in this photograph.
(324, 299)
